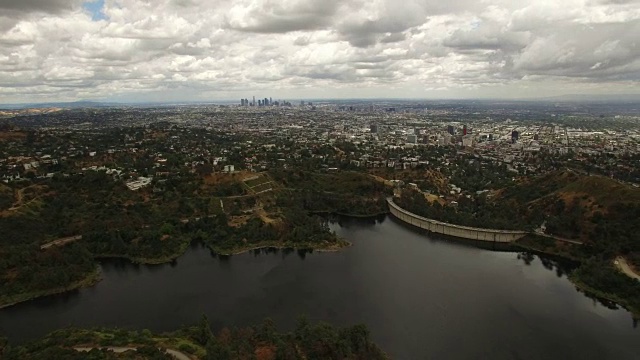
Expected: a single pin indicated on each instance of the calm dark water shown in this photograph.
(421, 298)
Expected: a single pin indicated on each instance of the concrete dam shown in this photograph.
(465, 232)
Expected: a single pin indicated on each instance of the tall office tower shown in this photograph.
(450, 129)
(265, 102)
(270, 101)
(241, 102)
(254, 101)
(514, 136)
(246, 102)
(302, 103)
(464, 130)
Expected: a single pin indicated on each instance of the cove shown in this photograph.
(421, 298)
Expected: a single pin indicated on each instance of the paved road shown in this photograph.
(176, 354)
(622, 265)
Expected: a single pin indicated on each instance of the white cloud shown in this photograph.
(308, 48)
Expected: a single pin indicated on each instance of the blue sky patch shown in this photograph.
(95, 8)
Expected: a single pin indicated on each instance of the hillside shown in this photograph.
(261, 342)
(568, 184)
(594, 209)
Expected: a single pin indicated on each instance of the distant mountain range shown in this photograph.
(74, 104)
(593, 98)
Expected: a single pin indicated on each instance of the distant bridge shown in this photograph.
(465, 232)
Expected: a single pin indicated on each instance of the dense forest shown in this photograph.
(264, 342)
(477, 213)
(157, 224)
(347, 193)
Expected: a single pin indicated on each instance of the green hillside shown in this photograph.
(261, 342)
(594, 209)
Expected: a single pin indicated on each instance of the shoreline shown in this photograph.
(90, 280)
(147, 261)
(534, 245)
(95, 276)
(341, 244)
(587, 289)
(525, 247)
(361, 216)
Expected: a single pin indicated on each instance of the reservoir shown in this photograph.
(421, 298)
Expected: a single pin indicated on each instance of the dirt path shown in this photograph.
(622, 265)
(19, 197)
(575, 242)
(382, 180)
(19, 202)
(176, 354)
(61, 242)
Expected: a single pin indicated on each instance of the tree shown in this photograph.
(267, 331)
(204, 331)
(217, 351)
(166, 229)
(3, 344)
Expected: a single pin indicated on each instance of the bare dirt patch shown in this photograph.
(237, 221)
(433, 198)
(264, 216)
(12, 135)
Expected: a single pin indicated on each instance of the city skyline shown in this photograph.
(189, 50)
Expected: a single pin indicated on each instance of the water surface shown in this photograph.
(421, 298)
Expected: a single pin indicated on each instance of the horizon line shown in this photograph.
(107, 103)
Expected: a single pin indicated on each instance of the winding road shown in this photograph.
(622, 265)
(175, 353)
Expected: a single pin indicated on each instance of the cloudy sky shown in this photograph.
(175, 50)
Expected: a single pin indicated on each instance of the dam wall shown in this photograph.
(465, 232)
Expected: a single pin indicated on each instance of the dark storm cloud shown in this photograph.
(282, 17)
(274, 24)
(50, 6)
(386, 29)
